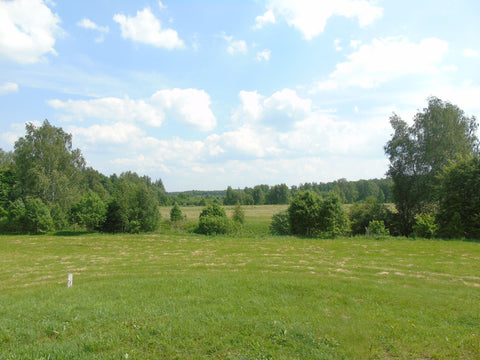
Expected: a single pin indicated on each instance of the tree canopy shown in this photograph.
(417, 154)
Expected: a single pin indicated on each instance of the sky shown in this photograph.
(214, 93)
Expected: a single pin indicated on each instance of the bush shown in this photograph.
(376, 228)
(425, 226)
(362, 213)
(213, 220)
(309, 215)
(214, 225)
(176, 214)
(280, 224)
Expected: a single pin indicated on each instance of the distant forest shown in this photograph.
(349, 192)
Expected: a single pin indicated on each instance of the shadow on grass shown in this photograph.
(71, 233)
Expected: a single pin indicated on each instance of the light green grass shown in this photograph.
(195, 297)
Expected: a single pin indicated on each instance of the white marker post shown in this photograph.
(70, 280)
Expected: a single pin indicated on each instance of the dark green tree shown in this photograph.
(459, 205)
(176, 213)
(362, 213)
(90, 211)
(417, 153)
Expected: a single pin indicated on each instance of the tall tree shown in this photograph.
(417, 153)
(47, 166)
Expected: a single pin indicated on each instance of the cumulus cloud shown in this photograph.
(8, 87)
(27, 30)
(111, 109)
(264, 55)
(146, 28)
(385, 59)
(235, 46)
(189, 106)
(118, 133)
(90, 25)
(280, 109)
(310, 16)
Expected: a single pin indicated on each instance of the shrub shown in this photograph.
(176, 214)
(213, 220)
(309, 215)
(425, 226)
(280, 224)
(376, 228)
(214, 225)
(238, 214)
(362, 213)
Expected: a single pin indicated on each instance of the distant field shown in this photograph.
(257, 217)
(196, 297)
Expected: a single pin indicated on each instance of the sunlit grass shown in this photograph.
(195, 297)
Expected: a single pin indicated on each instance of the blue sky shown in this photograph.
(207, 94)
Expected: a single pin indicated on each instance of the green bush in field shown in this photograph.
(362, 213)
(425, 226)
(280, 224)
(238, 214)
(376, 228)
(312, 216)
(213, 220)
(176, 213)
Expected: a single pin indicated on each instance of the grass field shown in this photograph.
(192, 297)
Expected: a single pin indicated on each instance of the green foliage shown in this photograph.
(418, 153)
(278, 194)
(459, 205)
(176, 214)
(425, 226)
(213, 220)
(213, 210)
(133, 207)
(29, 216)
(238, 214)
(215, 225)
(280, 224)
(377, 228)
(362, 213)
(309, 215)
(47, 166)
(90, 211)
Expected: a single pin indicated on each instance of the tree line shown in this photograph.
(433, 181)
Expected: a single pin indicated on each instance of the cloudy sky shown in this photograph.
(206, 94)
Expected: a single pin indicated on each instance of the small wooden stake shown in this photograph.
(70, 280)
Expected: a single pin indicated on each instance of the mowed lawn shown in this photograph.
(196, 297)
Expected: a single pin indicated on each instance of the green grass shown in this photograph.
(194, 297)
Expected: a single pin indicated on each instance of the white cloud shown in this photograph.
(118, 133)
(27, 30)
(470, 53)
(385, 59)
(89, 24)
(111, 109)
(190, 106)
(310, 16)
(264, 55)
(235, 46)
(8, 88)
(337, 45)
(267, 18)
(146, 28)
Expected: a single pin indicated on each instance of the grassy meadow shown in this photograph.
(186, 296)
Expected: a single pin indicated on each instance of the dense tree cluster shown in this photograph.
(434, 169)
(45, 185)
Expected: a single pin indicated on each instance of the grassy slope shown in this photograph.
(193, 297)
